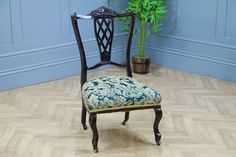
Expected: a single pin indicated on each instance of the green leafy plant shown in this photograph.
(149, 13)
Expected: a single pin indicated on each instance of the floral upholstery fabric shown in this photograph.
(112, 92)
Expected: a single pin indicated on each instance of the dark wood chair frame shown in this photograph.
(104, 29)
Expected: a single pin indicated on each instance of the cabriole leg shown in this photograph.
(83, 116)
(158, 117)
(93, 125)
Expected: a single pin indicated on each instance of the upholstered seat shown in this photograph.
(115, 92)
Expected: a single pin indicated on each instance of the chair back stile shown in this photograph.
(103, 19)
(84, 67)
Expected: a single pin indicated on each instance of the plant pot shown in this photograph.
(141, 65)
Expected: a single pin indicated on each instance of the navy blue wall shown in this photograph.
(37, 43)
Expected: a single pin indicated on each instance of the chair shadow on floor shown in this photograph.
(123, 138)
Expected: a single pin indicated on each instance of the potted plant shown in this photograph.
(149, 14)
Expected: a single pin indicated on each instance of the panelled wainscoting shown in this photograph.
(37, 42)
(200, 37)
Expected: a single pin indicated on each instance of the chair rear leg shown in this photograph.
(93, 125)
(158, 117)
(83, 117)
(126, 118)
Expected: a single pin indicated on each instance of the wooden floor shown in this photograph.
(199, 120)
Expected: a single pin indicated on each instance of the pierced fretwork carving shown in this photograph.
(104, 30)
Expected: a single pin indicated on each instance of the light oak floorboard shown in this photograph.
(199, 119)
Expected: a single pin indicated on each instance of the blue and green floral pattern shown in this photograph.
(117, 92)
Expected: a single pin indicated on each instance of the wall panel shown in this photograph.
(40, 19)
(6, 23)
(197, 17)
(230, 30)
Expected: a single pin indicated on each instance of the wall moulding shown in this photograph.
(55, 62)
(57, 46)
(195, 56)
(210, 43)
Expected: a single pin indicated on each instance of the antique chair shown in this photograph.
(112, 93)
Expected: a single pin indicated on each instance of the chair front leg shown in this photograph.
(93, 125)
(83, 116)
(158, 117)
